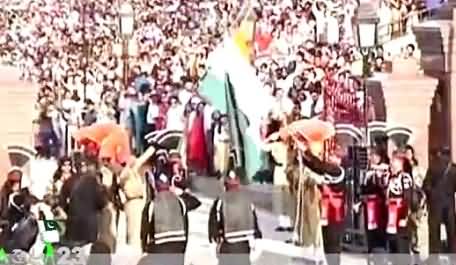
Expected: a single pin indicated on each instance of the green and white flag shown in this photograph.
(49, 231)
(232, 87)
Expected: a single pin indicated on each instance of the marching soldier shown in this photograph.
(165, 225)
(282, 202)
(180, 182)
(170, 164)
(398, 191)
(373, 203)
(333, 208)
(233, 223)
(306, 171)
(133, 188)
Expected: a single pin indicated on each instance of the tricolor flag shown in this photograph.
(232, 87)
(49, 231)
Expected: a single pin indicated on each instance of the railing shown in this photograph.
(402, 26)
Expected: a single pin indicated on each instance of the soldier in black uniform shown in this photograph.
(233, 223)
(165, 225)
(440, 187)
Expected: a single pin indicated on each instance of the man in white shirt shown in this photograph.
(186, 93)
(282, 105)
(332, 29)
(175, 115)
(41, 173)
(153, 113)
(313, 105)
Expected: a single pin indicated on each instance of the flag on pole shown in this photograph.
(238, 124)
(232, 87)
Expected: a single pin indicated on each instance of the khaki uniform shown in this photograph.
(308, 226)
(133, 187)
(283, 203)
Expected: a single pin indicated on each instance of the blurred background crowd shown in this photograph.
(305, 57)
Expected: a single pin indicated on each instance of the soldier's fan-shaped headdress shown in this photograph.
(309, 134)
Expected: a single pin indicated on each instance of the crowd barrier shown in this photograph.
(402, 26)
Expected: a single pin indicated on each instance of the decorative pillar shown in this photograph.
(408, 98)
(437, 42)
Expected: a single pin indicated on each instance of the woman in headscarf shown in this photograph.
(11, 186)
(18, 232)
(64, 173)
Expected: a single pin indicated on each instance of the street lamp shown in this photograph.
(367, 40)
(127, 27)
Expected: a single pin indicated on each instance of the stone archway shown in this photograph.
(377, 134)
(21, 156)
(400, 135)
(348, 135)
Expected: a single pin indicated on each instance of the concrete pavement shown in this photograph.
(271, 250)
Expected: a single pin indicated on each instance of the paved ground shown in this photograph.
(271, 250)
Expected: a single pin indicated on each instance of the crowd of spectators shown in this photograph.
(305, 53)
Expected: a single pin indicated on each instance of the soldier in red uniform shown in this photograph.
(333, 209)
(373, 201)
(398, 191)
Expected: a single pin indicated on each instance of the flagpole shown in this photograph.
(325, 118)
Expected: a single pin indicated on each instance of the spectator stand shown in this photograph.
(395, 35)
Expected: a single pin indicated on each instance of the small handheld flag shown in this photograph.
(49, 230)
